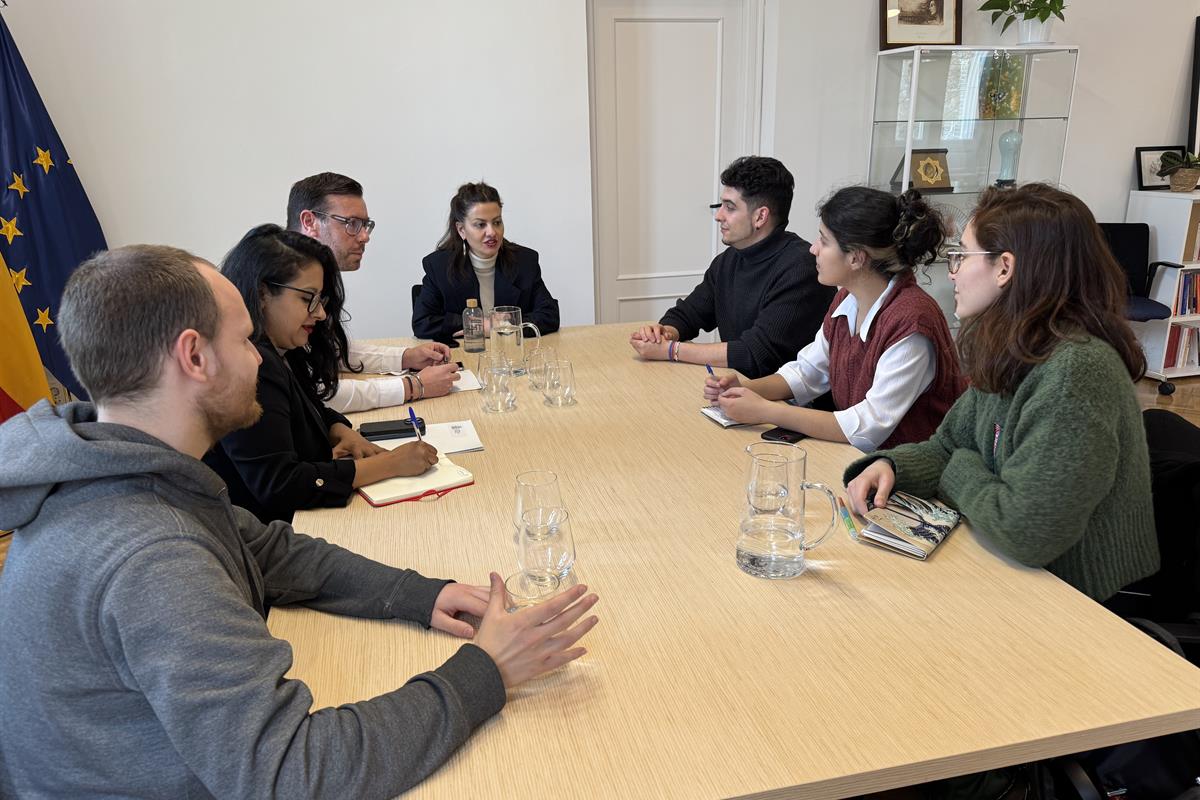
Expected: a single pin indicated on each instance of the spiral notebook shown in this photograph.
(442, 477)
(909, 525)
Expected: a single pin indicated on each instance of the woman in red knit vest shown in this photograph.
(883, 352)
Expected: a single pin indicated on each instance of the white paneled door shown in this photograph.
(676, 95)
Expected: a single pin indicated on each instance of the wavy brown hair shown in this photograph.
(1065, 286)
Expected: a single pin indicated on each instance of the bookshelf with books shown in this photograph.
(1172, 345)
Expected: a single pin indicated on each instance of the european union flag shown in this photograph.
(47, 226)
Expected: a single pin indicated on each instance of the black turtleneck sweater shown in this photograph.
(764, 301)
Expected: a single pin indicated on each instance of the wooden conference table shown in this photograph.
(869, 671)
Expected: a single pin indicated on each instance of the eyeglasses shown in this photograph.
(354, 225)
(314, 299)
(954, 258)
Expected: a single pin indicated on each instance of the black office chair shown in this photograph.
(1166, 606)
(416, 295)
(1130, 245)
(1171, 597)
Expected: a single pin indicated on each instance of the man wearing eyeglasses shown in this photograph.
(330, 208)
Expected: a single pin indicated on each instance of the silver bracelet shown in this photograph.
(420, 385)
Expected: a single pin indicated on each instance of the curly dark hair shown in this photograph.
(763, 181)
(896, 233)
(268, 255)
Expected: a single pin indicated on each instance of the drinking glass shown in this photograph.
(771, 541)
(546, 545)
(535, 366)
(535, 489)
(495, 381)
(524, 589)
(559, 385)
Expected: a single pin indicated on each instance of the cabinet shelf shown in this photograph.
(940, 120)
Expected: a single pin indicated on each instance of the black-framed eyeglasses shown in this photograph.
(354, 225)
(954, 258)
(314, 299)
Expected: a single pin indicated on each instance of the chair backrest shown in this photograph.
(1174, 445)
(1130, 245)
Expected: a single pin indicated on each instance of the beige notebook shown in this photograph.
(441, 478)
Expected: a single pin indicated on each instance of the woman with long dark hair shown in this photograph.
(1045, 453)
(301, 453)
(884, 351)
(474, 260)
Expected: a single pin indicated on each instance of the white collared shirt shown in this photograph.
(362, 395)
(905, 370)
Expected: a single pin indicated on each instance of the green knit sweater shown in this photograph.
(1057, 475)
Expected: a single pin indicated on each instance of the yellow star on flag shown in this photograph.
(19, 280)
(43, 159)
(44, 318)
(8, 229)
(18, 185)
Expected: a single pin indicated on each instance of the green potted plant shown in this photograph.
(1183, 170)
(1034, 16)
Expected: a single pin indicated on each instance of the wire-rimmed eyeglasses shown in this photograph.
(954, 258)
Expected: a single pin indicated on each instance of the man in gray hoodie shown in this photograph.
(135, 659)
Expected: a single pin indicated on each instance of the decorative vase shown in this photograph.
(1010, 148)
(1032, 31)
(1185, 180)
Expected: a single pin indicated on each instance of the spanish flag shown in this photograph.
(47, 228)
(22, 379)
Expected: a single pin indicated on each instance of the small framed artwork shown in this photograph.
(1147, 161)
(929, 172)
(906, 22)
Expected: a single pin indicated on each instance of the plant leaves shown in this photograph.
(1007, 22)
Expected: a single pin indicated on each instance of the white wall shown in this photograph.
(188, 122)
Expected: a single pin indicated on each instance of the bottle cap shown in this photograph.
(472, 303)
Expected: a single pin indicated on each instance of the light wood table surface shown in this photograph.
(869, 671)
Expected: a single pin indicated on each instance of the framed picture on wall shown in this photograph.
(905, 22)
(1148, 161)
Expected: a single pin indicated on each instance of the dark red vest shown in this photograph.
(907, 310)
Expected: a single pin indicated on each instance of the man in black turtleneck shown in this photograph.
(761, 293)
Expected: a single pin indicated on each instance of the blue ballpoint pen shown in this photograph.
(709, 368)
(412, 415)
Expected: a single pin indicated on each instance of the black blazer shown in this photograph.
(283, 462)
(437, 314)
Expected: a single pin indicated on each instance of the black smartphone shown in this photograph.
(783, 435)
(390, 429)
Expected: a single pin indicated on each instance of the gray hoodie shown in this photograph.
(135, 659)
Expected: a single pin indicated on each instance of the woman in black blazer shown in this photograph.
(474, 260)
(301, 453)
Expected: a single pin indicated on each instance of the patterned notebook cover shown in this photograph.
(910, 525)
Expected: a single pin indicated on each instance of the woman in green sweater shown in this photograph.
(1045, 453)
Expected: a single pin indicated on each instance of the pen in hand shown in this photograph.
(412, 415)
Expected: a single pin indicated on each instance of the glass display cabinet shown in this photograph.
(951, 120)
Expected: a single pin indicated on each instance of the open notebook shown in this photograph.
(909, 525)
(437, 481)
